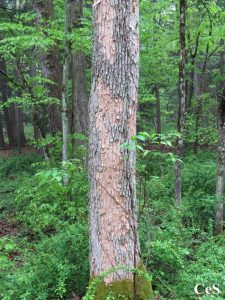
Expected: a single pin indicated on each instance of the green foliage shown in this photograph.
(47, 269)
(49, 258)
(17, 165)
(13, 171)
(178, 245)
(44, 203)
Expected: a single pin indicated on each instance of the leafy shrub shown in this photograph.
(49, 269)
(18, 165)
(178, 244)
(44, 203)
(49, 259)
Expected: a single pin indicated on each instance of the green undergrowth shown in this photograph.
(45, 256)
(178, 244)
(14, 170)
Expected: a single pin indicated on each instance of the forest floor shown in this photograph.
(9, 152)
(7, 229)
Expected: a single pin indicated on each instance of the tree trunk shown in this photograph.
(65, 100)
(17, 120)
(220, 184)
(79, 64)
(1, 134)
(182, 98)
(10, 120)
(21, 126)
(14, 123)
(191, 86)
(158, 110)
(113, 105)
(221, 152)
(80, 94)
(199, 89)
(51, 68)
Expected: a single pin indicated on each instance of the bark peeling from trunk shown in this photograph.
(112, 110)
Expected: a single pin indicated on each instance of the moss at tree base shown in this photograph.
(124, 289)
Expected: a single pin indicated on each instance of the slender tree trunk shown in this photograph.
(191, 86)
(80, 95)
(1, 134)
(182, 98)
(21, 126)
(112, 109)
(18, 113)
(18, 137)
(51, 68)
(33, 73)
(193, 55)
(158, 110)
(65, 100)
(220, 176)
(199, 89)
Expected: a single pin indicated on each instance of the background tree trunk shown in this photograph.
(80, 95)
(1, 134)
(51, 68)
(221, 151)
(10, 119)
(182, 98)
(13, 115)
(65, 92)
(113, 105)
(158, 110)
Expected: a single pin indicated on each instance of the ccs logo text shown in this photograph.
(201, 289)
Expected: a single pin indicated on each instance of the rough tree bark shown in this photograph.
(51, 67)
(79, 88)
(182, 98)
(220, 176)
(112, 112)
